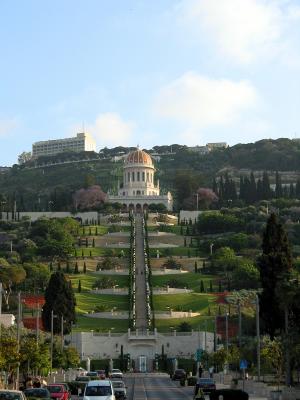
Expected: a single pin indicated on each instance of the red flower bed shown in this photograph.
(221, 297)
(33, 301)
(221, 327)
(30, 323)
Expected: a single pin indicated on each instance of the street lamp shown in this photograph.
(211, 248)
(226, 331)
(197, 197)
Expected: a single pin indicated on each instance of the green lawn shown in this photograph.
(201, 323)
(85, 230)
(87, 302)
(197, 302)
(88, 279)
(85, 324)
(101, 251)
(176, 251)
(190, 280)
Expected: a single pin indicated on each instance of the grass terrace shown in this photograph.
(189, 280)
(85, 324)
(197, 302)
(87, 302)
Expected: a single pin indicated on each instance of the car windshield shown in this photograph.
(55, 389)
(10, 396)
(116, 370)
(97, 390)
(40, 393)
(206, 381)
(118, 384)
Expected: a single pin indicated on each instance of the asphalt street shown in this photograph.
(159, 387)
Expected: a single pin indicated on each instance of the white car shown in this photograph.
(99, 390)
(119, 389)
(116, 373)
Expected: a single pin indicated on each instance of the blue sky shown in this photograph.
(148, 72)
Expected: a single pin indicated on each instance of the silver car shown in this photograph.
(119, 389)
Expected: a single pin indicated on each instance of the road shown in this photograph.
(160, 387)
(141, 316)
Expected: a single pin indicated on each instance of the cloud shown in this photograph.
(199, 102)
(7, 126)
(109, 129)
(242, 30)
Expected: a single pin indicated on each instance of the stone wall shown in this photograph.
(189, 215)
(176, 344)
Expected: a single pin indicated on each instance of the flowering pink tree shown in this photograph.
(204, 197)
(89, 199)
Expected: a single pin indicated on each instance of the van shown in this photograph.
(99, 390)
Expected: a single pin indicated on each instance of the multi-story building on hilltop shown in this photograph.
(82, 142)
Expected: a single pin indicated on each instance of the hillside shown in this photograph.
(34, 187)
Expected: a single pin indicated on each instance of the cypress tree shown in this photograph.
(90, 231)
(59, 298)
(93, 242)
(292, 191)
(185, 242)
(275, 265)
(201, 286)
(187, 232)
(210, 287)
(82, 253)
(67, 267)
(278, 186)
(79, 286)
(96, 231)
(86, 242)
(267, 192)
(58, 266)
(181, 230)
(76, 269)
(220, 287)
(51, 266)
(195, 267)
(84, 267)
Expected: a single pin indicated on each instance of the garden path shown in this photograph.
(141, 314)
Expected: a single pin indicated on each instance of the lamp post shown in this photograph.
(211, 248)
(240, 323)
(257, 337)
(226, 331)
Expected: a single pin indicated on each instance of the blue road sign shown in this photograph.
(243, 364)
(198, 355)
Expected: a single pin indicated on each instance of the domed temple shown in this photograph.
(139, 190)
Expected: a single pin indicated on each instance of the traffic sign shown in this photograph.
(198, 355)
(243, 364)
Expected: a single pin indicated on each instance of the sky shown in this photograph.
(148, 72)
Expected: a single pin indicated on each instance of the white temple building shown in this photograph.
(138, 190)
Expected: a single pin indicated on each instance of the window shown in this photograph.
(138, 176)
(138, 192)
(147, 176)
(133, 177)
(97, 391)
(128, 177)
(143, 176)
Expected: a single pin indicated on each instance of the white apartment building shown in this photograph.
(82, 142)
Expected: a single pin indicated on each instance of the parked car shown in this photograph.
(99, 390)
(101, 373)
(208, 385)
(179, 374)
(37, 393)
(58, 391)
(92, 373)
(12, 395)
(119, 389)
(229, 394)
(116, 373)
(82, 378)
(67, 387)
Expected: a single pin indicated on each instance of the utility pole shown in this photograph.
(240, 324)
(0, 307)
(258, 338)
(37, 323)
(18, 339)
(51, 345)
(62, 333)
(215, 334)
(287, 349)
(226, 328)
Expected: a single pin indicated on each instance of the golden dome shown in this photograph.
(139, 157)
